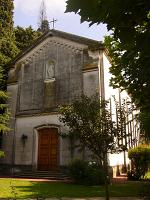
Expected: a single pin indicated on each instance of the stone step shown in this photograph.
(42, 175)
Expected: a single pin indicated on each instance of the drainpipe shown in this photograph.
(101, 76)
(13, 149)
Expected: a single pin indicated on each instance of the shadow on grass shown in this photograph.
(37, 189)
(58, 190)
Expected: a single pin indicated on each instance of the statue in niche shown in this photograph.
(50, 67)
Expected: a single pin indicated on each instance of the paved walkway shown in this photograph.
(93, 198)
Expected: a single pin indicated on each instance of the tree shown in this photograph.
(43, 22)
(128, 45)
(90, 120)
(8, 50)
(25, 36)
(6, 17)
(4, 113)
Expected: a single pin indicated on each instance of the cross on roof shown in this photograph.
(53, 21)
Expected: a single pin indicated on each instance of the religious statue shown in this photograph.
(50, 70)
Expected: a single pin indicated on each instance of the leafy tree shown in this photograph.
(8, 50)
(2, 154)
(128, 45)
(43, 22)
(25, 36)
(6, 17)
(44, 26)
(144, 119)
(91, 121)
(4, 114)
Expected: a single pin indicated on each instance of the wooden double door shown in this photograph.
(48, 146)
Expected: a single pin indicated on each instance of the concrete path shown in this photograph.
(93, 198)
(102, 198)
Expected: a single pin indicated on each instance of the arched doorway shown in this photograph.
(48, 153)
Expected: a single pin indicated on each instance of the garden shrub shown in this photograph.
(88, 173)
(140, 158)
(144, 192)
(77, 170)
(2, 154)
(95, 174)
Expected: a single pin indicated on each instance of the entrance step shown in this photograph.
(42, 175)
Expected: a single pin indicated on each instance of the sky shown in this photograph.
(26, 13)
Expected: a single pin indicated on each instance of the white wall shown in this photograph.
(110, 93)
(27, 155)
(90, 82)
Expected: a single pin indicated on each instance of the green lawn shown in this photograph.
(10, 188)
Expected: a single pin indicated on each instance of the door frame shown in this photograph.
(36, 140)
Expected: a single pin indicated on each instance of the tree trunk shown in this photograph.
(72, 147)
(105, 165)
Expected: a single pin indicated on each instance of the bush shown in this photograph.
(145, 191)
(132, 175)
(77, 170)
(140, 158)
(88, 173)
(2, 154)
(95, 174)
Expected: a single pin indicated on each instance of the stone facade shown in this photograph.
(54, 71)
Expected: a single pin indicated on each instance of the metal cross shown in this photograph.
(53, 21)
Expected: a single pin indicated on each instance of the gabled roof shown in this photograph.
(92, 44)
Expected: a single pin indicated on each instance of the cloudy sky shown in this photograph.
(27, 13)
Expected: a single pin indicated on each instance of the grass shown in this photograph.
(11, 188)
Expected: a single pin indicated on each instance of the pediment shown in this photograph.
(59, 42)
(73, 42)
(52, 40)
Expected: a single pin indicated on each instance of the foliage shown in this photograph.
(7, 41)
(72, 139)
(43, 22)
(8, 50)
(144, 119)
(145, 192)
(128, 45)
(84, 172)
(2, 154)
(147, 175)
(90, 120)
(77, 170)
(44, 26)
(130, 69)
(6, 14)
(140, 157)
(25, 36)
(4, 112)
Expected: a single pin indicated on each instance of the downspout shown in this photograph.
(13, 149)
(101, 76)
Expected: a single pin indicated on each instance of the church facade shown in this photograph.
(53, 71)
